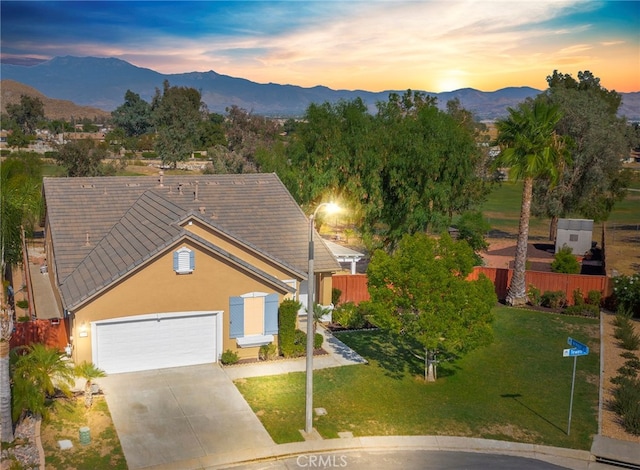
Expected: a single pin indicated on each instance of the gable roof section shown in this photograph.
(104, 227)
(145, 229)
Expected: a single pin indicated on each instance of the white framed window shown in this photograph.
(184, 261)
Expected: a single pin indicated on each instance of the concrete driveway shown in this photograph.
(181, 414)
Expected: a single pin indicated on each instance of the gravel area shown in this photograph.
(26, 451)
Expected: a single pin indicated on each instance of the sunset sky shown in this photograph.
(371, 45)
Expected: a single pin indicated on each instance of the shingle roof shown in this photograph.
(103, 227)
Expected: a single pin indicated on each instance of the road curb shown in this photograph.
(569, 458)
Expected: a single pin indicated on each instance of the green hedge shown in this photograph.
(287, 314)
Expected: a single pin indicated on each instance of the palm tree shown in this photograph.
(89, 372)
(6, 328)
(37, 375)
(532, 150)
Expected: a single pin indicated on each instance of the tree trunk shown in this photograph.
(553, 228)
(517, 294)
(430, 372)
(6, 423)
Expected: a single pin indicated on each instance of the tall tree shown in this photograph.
(532, 150)
(133, 116)
(406, 169)
(177, 113)
(420, 293)
(594, 181)
(81, 158)
(20, 202)
(27, 114)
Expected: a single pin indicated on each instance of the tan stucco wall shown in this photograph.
(157, 288)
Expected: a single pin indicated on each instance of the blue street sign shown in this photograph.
(578, 345)
(573, 352)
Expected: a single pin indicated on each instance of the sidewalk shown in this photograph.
(338, 354)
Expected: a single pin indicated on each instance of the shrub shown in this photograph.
(22, 303)
(534, 296)
(554, 299)
(149, 155)
(626, 290)
(565, 262)
(626, 403)
(335, 295)
(630, 340)
(630, 368)
(229, 357)
(287, 314)
(594, 297)
(299, 344)
(318, 339)
(268, 352)
(578, 298)
(584, 310)
(349, 315)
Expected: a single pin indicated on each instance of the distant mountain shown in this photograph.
(10, 92)
(102, 83)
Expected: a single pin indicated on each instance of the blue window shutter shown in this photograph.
(236, 317)
(192, 260)
(175, 260)
(271, 314)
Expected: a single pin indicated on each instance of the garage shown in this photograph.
(156, 341)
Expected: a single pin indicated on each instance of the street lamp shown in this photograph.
(308, 427)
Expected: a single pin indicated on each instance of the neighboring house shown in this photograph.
(166, 271)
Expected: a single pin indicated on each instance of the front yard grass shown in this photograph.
(516, 389)
(66, 418)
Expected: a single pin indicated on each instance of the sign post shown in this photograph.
(578, 349)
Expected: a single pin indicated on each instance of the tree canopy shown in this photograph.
(82, 158)
(420, 292)
(408, 168)
(177, 112)
(133, 116)
(593, 181)
(20, 202)
(27, 114)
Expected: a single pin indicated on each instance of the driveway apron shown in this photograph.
(168, 415)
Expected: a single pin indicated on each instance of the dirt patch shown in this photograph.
(64, 423)
(502, 252)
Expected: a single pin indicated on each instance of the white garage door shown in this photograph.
(156, 341)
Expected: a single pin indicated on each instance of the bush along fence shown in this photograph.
(354, 286)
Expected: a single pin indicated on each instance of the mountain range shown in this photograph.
(102, 83)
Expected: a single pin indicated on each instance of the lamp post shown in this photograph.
(308, 426)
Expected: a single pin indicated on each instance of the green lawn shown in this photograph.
(516, 389)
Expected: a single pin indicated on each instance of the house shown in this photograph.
(166, 271)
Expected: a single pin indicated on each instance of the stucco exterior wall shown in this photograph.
(156, 288)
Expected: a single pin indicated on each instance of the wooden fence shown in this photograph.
(40, 331)
(354, 287)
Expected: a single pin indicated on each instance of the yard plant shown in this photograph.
(515, 389)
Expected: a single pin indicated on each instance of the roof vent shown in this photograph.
(161, 179)
(195, 193)
(180, 188)
(87, 186)
(202, 209)
(86, 243)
